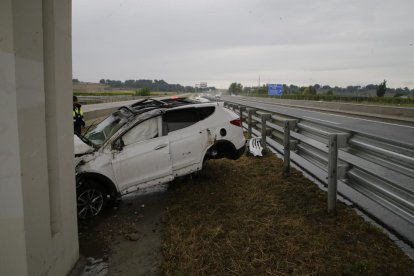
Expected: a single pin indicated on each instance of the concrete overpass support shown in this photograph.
(38, 227)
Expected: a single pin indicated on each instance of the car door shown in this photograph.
(145, 156)
(187, 137)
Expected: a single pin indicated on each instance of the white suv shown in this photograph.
(148, 143)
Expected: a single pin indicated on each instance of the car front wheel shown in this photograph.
(91, 200)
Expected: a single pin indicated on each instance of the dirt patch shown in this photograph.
(127, 237)
(242, 217)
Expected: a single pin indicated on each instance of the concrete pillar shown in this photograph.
(38, 228)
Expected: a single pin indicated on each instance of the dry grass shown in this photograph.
(243, 218)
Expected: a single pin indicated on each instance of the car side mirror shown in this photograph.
(118, 144)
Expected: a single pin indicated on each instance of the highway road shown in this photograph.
(393, 130)
(100, 106)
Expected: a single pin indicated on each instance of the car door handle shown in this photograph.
(160, 146)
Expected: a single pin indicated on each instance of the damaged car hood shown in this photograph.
(80, 146)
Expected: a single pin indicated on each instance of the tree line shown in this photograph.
(151, 85)
(379, 90)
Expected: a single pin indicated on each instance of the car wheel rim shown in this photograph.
(89, 203)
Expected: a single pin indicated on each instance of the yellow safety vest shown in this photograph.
(77, 112)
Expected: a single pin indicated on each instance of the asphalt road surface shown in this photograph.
(93, 107)
(402, 132)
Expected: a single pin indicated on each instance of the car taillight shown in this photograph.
(236, 122)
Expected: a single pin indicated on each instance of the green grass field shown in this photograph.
(392, 101)
(80, 92)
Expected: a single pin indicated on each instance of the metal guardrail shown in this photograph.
(376, 174)
(373, 110)
(107, 99)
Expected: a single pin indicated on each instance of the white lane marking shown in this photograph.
(371, 121)
(355, 118)
(321, 120)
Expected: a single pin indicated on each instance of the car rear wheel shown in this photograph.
(91, 200)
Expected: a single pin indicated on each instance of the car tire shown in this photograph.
(91, 199)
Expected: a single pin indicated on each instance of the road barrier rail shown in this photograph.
(375, 174)
(402, 113)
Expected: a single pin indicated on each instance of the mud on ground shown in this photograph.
(126, 239)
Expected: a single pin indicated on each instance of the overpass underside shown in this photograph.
(38, 228)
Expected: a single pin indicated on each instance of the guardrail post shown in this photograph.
(286, 150)
(241, 108)
(250, 111)
(332, 172)
(265, 117)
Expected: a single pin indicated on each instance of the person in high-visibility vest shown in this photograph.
(78, 121)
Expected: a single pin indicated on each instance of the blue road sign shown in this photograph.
(275, 89)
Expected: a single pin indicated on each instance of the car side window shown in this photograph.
(204, 112)
(145, 130)
(178, 119)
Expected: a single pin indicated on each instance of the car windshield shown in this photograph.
(100, 133)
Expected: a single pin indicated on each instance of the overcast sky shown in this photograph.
(302, 42)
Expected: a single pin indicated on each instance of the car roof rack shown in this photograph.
(148, 104)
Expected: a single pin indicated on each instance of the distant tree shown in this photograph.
(246, 90)
(75, 81)
(397, 95)
(329, 93)
(399, 91)
(114, 83)
(130, 83)
(189, 89)
(310, 90)
(382, 88)
(239, 88)
(350, 88)
(102, 81)
(235, 88)
(263, 90)
(371, 87)
(293, 88)
(232, 87)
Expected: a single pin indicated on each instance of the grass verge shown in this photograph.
(104, 93)
(243, 218)
(78, 92)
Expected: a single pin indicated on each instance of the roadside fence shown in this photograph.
(375, 174)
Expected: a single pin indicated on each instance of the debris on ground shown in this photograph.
(132, 236)
(95, 267)
(255, 146)
(127, 238)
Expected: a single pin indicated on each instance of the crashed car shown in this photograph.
(148, 143)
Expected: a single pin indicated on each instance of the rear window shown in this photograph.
(178, 119)
(204, 112)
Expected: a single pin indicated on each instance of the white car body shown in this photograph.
(124, 163)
